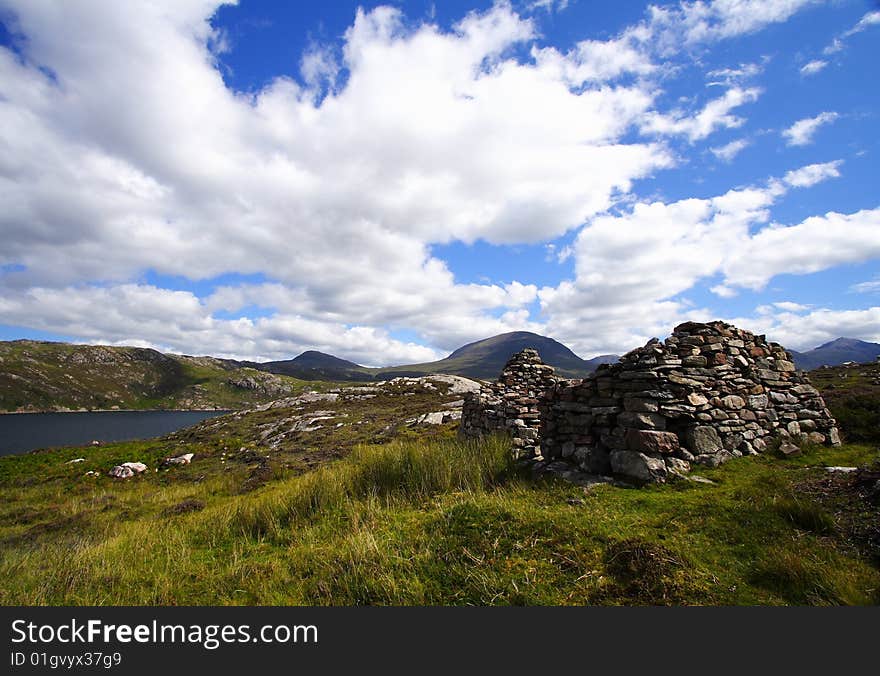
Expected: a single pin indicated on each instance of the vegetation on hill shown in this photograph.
(486, 358)
(410, 515)
(852, 393)
(314, 365)
(483, 359)
(347, 497)
(38, 375)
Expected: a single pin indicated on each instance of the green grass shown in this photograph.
(852, 393)
(422, 522)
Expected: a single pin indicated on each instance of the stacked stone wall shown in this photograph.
(511, 404)
(707, 393)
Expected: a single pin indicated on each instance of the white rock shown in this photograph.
(127, 470)
(184, 459)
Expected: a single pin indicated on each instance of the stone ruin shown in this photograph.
(511, 404)
(706, 394)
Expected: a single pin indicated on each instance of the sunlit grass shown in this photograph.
(439, 522)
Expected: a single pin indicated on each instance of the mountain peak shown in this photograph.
(836, 352)
(843, 342)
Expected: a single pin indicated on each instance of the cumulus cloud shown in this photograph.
(633, 270)
(812, 174)
(134, 147)
(728, 151)
(790, 306)
(801, 132)
(715, 115)
(817, 243)
(124, 152)
(176, 321)
(871, 286)
(699, 22)
(804, 331)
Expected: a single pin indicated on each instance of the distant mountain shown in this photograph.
(837, 352)
(485, 358)
(314, 365)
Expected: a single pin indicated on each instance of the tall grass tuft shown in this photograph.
(400, 471)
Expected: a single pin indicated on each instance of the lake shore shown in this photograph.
(119, 410)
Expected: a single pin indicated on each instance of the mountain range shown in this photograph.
(837, 352)
(37, 375)
(482, 359)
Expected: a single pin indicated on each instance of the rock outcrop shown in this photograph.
(708, 393)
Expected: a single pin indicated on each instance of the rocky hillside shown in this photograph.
(836, 353)
(38, 376)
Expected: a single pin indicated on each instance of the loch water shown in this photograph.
(23, 432)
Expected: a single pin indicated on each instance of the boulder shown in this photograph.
(127, 470)
(638, 466)
(714, 459)
(789, 450)
(184, 459)
(649, 441)
(703, 440)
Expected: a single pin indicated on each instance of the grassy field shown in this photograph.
(428, 522)
(853, 395)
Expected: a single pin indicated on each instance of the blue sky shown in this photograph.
(387, 181)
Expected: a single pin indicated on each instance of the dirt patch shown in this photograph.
(184, 507)
(854, 500)
(647, 573)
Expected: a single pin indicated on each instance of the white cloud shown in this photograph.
(839, 43)
(813, 67)
(799, 331)
(595, 61)
(812, 174)
(730, 150)
(633, 270)
(134, 156)
(801, 132)
(715, 115)
(734, 76)
(723, 291)
(176, 320)
(789, 306)
(549, 5)
(699, 22)
(872, 286)
(817, 243)
(868, 20)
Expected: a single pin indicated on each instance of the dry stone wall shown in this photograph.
(511, 404)
(707, 393)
